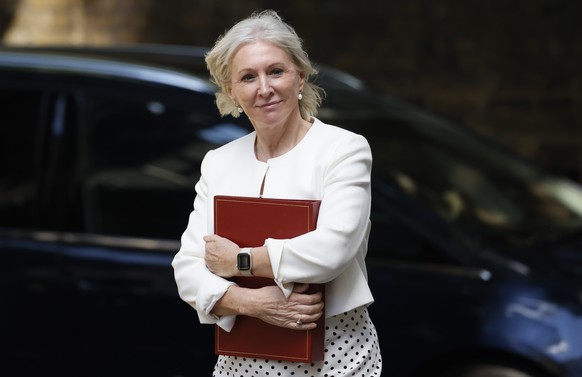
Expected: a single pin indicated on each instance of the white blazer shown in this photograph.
(330, 164)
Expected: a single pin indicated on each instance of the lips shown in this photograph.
(270, 105)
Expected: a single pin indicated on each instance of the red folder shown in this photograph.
(248, 222)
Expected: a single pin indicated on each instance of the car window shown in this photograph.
(19, 121)
(393, 239)
(469, 182)
(142, 158)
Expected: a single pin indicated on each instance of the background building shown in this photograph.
(509, 69)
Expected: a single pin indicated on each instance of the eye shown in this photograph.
(277, 71)
(248, 77)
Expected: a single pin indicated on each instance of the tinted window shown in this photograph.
(142, 160)
(19, 121)
(467, 181)
(397, 234)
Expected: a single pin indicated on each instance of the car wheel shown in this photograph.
(489, 371)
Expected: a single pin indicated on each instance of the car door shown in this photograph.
(134, 156)
(30, 277)
(427, 302)
(97, 185)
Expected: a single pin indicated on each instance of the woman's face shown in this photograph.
(265, 83)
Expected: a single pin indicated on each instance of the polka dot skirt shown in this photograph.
(351, 349)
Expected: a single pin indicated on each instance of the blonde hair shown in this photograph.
(261, 26)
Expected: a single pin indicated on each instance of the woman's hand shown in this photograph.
(220, 256)
(299, 311)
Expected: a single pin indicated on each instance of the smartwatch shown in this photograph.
(244, 261)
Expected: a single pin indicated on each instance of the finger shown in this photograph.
(211, 238)
(311, 311)
(307, 318)
(306, 299)
(300, 287)
(304, 324)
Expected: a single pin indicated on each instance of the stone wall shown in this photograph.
(510, 69)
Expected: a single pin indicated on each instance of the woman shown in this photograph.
(262, 70)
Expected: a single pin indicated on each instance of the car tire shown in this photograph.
(490, 371)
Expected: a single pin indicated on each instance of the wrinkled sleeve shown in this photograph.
(196, 284)
(343, 222)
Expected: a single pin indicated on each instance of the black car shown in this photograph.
(475, 256)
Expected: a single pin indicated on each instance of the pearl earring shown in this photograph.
(240, 109)
(300, 96)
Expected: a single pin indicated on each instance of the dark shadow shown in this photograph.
(7, 11)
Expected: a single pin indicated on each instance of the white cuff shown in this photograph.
(275, 250)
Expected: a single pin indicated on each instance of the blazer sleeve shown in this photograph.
(196, 284)
(343, 222)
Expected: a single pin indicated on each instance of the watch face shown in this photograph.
(243, 261)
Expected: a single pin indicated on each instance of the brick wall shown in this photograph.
(511, 69)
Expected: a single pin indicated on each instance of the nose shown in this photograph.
(265, 88)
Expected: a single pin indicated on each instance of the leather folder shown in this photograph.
(248, 222)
